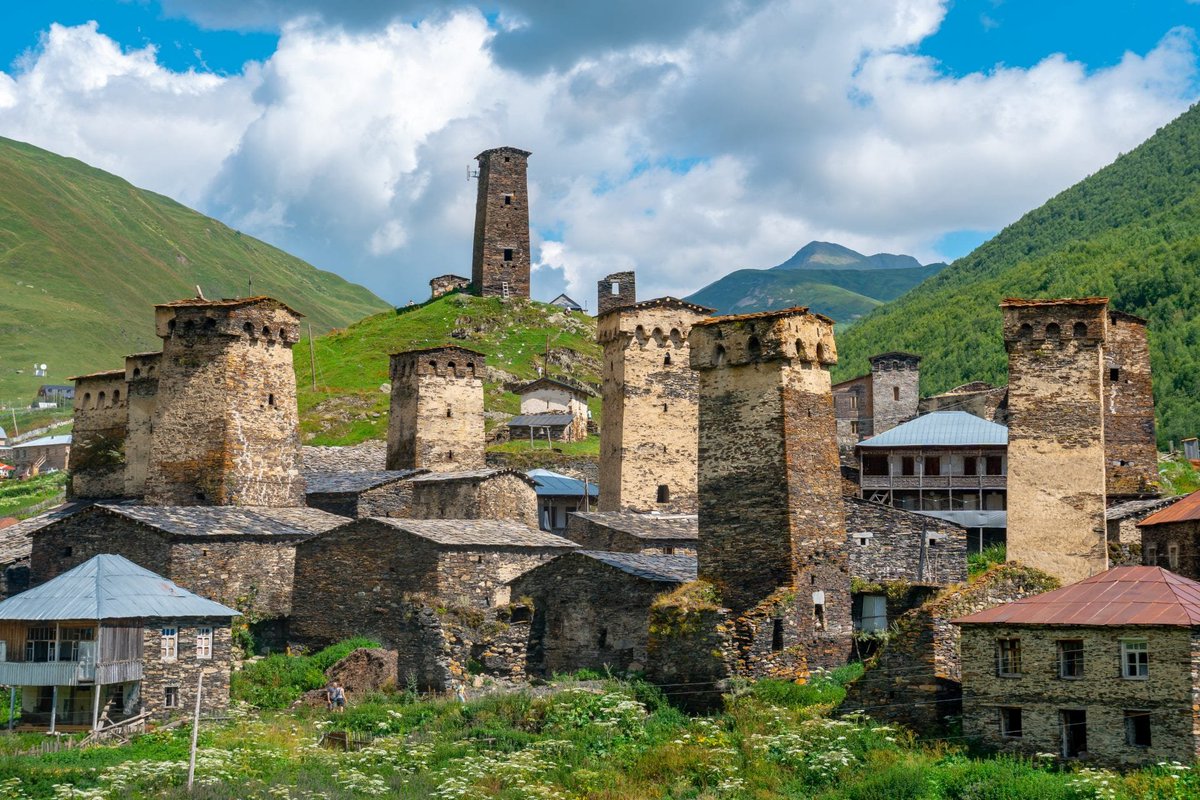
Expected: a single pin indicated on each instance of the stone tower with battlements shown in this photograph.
(772, 520)
(98, 447)
(436, 418)
(895, 389)
(141, 376)
(1056, 434)
(648, 401)
(614, 291)
(500, 259)
(225, 426)
(1130, 443)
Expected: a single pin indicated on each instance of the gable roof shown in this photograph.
(476, 532)
(1139, 508)
(646, 526)
(472, 475)
(109, 587)
(1120, 596)
(354, 482)
(1186, 510)
(554, 484)
(942, 429)
(45, 441)
(225, 521)
(651, 567)
(554, 383)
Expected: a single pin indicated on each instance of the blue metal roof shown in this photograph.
(45, 441)
(942, 429)
(109, 587)
(554, 484)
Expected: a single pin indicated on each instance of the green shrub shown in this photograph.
(822, 688)
(278, 680)
(978, 563)
(324, 659)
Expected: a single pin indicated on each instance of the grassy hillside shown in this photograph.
(350, 402)
(84, 255)
(1130, 232)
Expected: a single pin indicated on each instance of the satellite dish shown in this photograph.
(43, 366)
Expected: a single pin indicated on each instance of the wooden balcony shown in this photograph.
(68, 673)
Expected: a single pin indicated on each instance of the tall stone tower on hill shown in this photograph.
(436, 416)
(1056, 435)
(500, 260)
(225, 427)
(772, 520)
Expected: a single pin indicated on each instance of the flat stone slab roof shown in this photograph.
(646, 526)
(652, 567)
(217, 521)
(476, 532)
(354, 482)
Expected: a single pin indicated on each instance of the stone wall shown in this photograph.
(436, 416)
(1056, 458)
(978, 398)
(1129, 439)
(885, 545)
(141, 377)
(852, 406)
(502, 495)
(1159, 542)
(184, 672)
(625, 295)
(368, 456)
(895, 389)
(226, 424)
(592, 534)
(101, 409)
(1169, 694)
(444, 284)
(690, 651)
(648, 439)
(500, 257)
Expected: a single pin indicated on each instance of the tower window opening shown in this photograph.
(615, 288)
(664, 408)
(506, 159)
(667, 360)
(449, 413)
(209, 323)
(248, 328)
(664, 493)
(896, 393)
(1080, 330)
(100, 400)
(1052, 330)
(282, 334)
(137, 372)
(451, 366)
(754, 347)
(508, 254)
(776, 635)
(116, 396)
(171, 326)
(433, 365)
(266, 331)
(1026, 331)
(189, 327)
(719, 356)
(271, 399)
(819, 616)
(449, 455)
(602, 639)
(508, 199)
(1114, 374)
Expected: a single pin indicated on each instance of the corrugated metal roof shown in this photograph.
(1120, 596)
(109, 587)
(554, 484)
(45, 441)
(548, 419)
(354, 482)
(646, 526)
(1186, 510)
(477, 532)
(942, 429)
(662, 568)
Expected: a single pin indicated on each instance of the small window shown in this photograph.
(664, 493)
(1173, 556)
(506, 159)
(896, 393)
(204, 641)
(508, 199)
(602, 639)
(908, 465)
(67, 552)
(282, 334)
(719, 356)
(116, 396)
(248, 328)
(1151, 559)
(970, 466)
(1135, 659)
(266, 331)
(1026, 331)
(1008, 656)
(776, 635)
(664, 408)
(449, 455)
(169, 644)
(853, 401)
(875, 465)
(667, 360)
(271, 400)
(1137, 728)
(449, 413)
(933, 465)
(1070, 658)
(1114, 374)
(1010, 723)
(754, 347)
(508, 254)
(100, 400)
(1053, 331)
(854, 427)
(819, 615)
(995, 465)
(171, 697)
(668, 551)
(615, 288)
(137, 372)
(1079, 330)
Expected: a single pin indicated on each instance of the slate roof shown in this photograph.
(109, 587)
(555, 382)
(646, 526)
(108, 373)
(471, 475)
(224, 521)
(659, 302)
(15, 541)
(1018, 302)
(235, 302)
(662, 568)
(794, 311)
(1186, 510)
(45, 441)
(942, 429)
(476, 532)
(554, 484)
(546, 420)
(1135, 508)
(354, 482)
(1120, 596)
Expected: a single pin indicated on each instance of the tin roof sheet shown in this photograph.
(45, 441)
(109, 587)
(653, 567)
(549, 419)
(1186, 510)
(1120, 596)
(941, 429)
(554, 484)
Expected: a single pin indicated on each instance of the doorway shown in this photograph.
(1074, 733)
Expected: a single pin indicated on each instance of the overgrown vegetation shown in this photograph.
(278, 680)
(981, 562)
(21, 498)
(1178, 476)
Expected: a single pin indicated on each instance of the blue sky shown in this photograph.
(683, 138)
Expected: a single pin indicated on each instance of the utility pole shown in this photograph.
(312, 358)
(195, 732)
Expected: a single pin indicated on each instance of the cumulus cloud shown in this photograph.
(685, 150)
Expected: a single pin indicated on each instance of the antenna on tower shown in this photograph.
(472, 173)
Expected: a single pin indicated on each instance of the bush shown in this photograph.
(278, 680)
(978, 563)
(822, 688)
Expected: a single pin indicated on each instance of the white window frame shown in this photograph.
(169, 644)
(204, 643)
(1141, 666)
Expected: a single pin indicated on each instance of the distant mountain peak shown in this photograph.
(829, 255)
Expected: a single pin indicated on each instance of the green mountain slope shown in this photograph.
(1130, 232)
(829, 278)
(84, 255)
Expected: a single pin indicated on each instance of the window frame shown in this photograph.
(168, 644)
(171, 697)
(1078, 661)
(1173, 555)
(204, 643)
(1132, 718)
(1008, 654)
(1007, 730)
(1134, 647)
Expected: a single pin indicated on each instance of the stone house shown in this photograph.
(977, 397)
(109, 642)
(564, 406)
(1104, 670)
(445, 284)
(42, 455)
(243, 557)
(382, 493)
(475, 494)
(559, 496)
(1124, 535)
(1170, 537)
(16, 546)
(877, 402)
(591, 609)
(630, 532)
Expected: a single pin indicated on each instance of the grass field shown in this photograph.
(19, 498)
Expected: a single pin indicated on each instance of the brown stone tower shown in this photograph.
(436, 418)
(500, 260)
(141, 376)
(648, 401)
(895, 389)
(225, 425)
(772, 520)
(1130, 444)
(616, 290)
(98, 449)
(1056, 452)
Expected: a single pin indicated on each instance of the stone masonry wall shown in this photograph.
(1158, 541)
(478, 577)
(69, 542)
(1130, 446)
(1168, 694)
(852, 405)
(895, 389)
(184, 672)
(1056, 458)
(648, 437)
(591, 535)
(436, 417)
(444, 284)
(500, 257)
(98, 436)
(625, 294)
(885, 545)
(502, 496)
(141, 376)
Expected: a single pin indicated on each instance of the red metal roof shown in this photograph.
(1120, 596)
(1185, 510)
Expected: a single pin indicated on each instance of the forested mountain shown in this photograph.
(1131, 232)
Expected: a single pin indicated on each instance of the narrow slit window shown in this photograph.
(776, 635)
(664, 493)
(896, 393)
(508, 254)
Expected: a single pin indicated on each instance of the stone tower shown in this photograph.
(1130, 444)
(648, 401)
(500, 259)
(225, 423)
(141, 376)
(436, 418)
(614, 291)
(1056, 458)
(895, 389)
(98, 449)
(772, 521)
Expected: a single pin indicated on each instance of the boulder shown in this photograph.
(366, 670)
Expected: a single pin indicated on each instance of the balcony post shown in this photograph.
(53, 706)
(12, 706)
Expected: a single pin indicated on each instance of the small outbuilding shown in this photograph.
(379, 493)
(559, 496)
(1171, 537)
(551, 409)
(634, 532)
(475, 494)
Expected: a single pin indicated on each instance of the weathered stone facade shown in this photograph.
(183, 672)
(436, 417)
(141, 380)
(1174, 546)
(630, 532)
(362, 494)
(445, 284)
(101, 408)
(226, 423)
(1056, 452)
(852, 408)
(614, 291)
(1129, 438)
(895, 389)
(500, 258)
(885, 545)
(981, 399)
(481, 494)
(648, 439)
(1124, 535)
(549, 396)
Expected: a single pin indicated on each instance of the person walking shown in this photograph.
(329, 694)
(339, 698)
